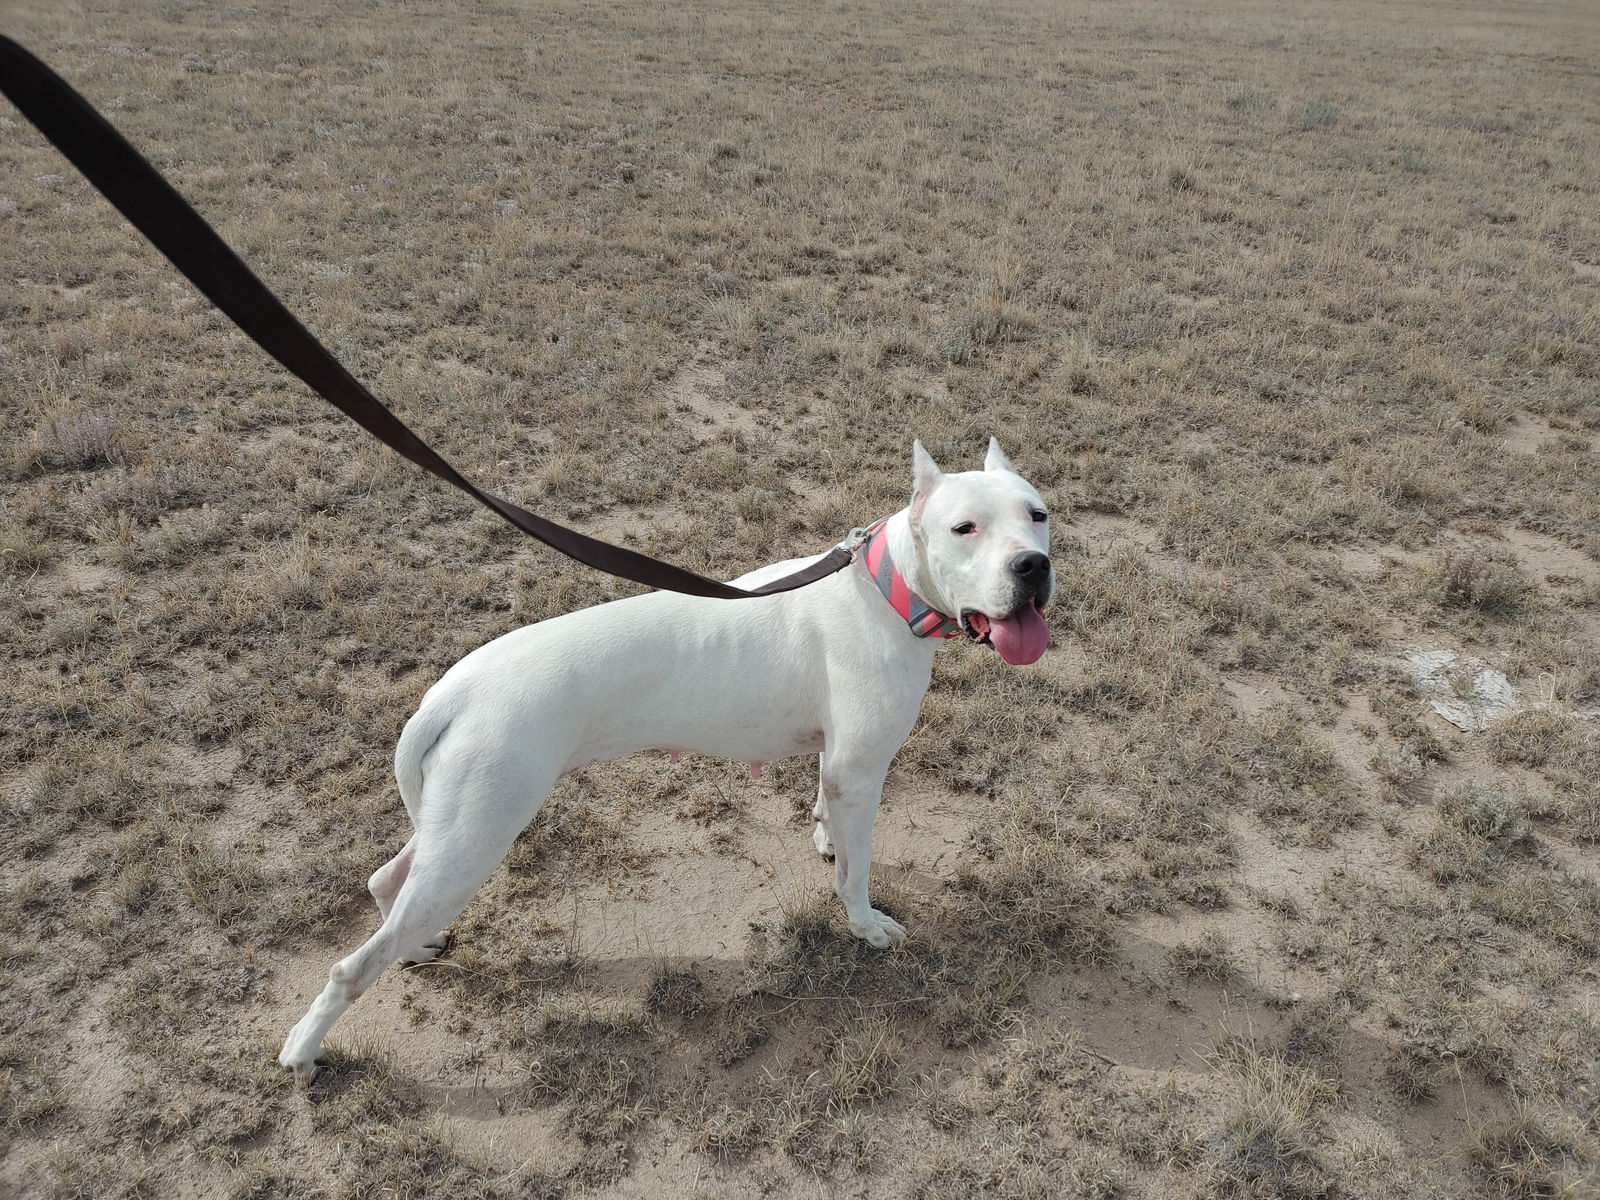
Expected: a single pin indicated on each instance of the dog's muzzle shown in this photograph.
(1019, 634)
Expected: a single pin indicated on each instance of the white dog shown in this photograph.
(838, 667)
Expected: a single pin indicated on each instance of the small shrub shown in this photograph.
(1481, 812)
(82, 440)
(1493, 584)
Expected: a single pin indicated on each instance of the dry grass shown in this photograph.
(1291, 313)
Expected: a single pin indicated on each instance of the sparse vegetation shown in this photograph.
(1289, 313)
(1265, 1146)
(1211, 957)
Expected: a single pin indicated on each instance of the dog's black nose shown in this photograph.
(1031, 567)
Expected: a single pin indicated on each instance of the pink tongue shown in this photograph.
(1020, 639)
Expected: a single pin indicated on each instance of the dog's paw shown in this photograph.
(878, 930)
(428, 952)
(821, 840)
(305, 1072)
(299, 1058)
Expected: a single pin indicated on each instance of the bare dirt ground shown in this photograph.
(1291, 311)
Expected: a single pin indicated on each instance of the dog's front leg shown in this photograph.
(852, 791)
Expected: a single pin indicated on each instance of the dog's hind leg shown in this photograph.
(456, 848)
(385, 886)
(852, 790)
(388, 879)
(433, 895)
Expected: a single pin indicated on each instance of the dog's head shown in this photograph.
(984, 538)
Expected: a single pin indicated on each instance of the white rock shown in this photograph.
(1493, 698)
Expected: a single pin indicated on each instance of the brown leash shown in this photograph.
(139, 192)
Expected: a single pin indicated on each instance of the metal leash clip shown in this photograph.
(857, 537)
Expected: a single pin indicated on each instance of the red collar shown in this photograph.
(923, 619)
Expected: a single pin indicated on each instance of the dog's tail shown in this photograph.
(422, 732)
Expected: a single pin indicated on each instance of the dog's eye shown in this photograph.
(964, 528)
(1039, 514)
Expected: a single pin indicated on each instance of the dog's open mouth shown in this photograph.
(1020, 638)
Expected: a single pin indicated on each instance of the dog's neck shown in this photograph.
(893, 557)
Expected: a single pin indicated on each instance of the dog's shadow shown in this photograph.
(802, 984)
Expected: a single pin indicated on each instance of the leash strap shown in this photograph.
(139, 192)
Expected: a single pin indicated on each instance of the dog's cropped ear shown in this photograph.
(996, 459)
(925, 476)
